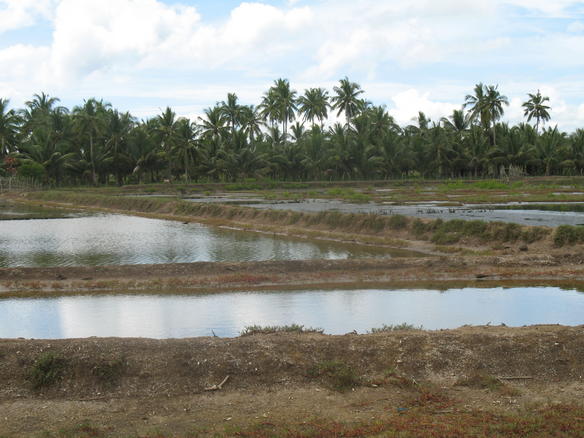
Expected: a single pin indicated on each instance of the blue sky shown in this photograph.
(410, 55)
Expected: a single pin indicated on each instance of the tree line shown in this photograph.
(288, 136)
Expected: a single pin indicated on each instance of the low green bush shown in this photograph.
(47, 370)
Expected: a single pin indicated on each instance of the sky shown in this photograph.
(409, 55)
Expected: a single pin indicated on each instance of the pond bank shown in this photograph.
(488, 375)
(206, 277)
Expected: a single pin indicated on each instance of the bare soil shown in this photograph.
(158, 388)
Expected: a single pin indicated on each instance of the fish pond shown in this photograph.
(335, 311)
(108, 239)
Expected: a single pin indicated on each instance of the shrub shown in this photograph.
(394, 328)
(339, 375)
(397, 222)
(567, 234)
(263, 330)
(108, 373)
(47, 370)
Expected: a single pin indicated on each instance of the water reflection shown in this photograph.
(118, 239)
(336, 311)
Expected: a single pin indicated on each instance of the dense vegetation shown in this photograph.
(287, 137)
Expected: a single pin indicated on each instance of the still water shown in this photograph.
(126, 240)
(337, 311)
(489, 213)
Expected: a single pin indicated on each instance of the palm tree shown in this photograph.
(285, 102)
(166, 128)
(118, 130)
(186, 133)
(252, 122)
(231, 111)
(487, 105)
(346, 99)
(213, 124)
(90, 120)
(548, 147)
(314, 105)
(8, 128)
(536, 109)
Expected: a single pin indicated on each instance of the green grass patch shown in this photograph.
(264, 330)
(47, 370)
(387, 328)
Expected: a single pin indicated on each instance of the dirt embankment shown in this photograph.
(433, 272)
(141, 385)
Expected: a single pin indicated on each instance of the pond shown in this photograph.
(108, 239)
(336, 311)
(489, 213)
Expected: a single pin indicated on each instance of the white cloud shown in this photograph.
(410, 102)
(576, 27)
(153, 49)
(16, 14)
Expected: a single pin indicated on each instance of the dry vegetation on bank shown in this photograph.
(479, 381)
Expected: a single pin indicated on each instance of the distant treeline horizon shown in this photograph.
(285, 137)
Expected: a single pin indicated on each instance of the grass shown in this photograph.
(264, 330)
(561, 421)
(338, 375)
(47, 370)
(385, 328)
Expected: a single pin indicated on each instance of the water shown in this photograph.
(337, 312)
(120, 240)
(436, 211)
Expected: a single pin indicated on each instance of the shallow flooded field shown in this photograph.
(108, 239)
(335, 311)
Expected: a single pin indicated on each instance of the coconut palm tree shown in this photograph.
(166, 129)
(90, 121)
(314, 104)
(535, 108)
(252, 122)
(280, 104)
(346, 99)
(9, 122)
(231, 110)
(487, 105)
(117, 131)
(213, 124)
(184, 148)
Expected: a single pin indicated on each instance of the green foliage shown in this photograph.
(47, 370)
(264, 330)
(30, 169)
(568, 235)
(338, 375)
(385, 328)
